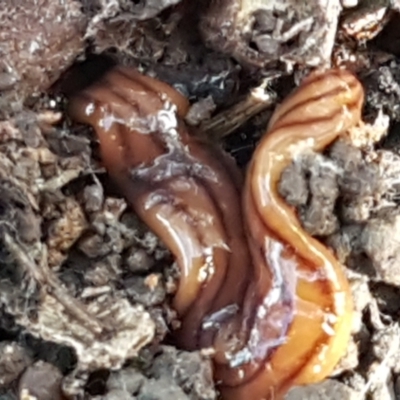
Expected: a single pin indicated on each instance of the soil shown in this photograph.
(75, 260)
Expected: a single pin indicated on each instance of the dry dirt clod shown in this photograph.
(261, 32)
(139, 290)
(327, 390)
(115, 394)
(165, 373)
(137, 260)
(48, 39)
(293, 185)
(65, 231)
(383, 89)
(381, 242)
(124, 10)
(117, 23)
(93, 197)
(316, 197)
(161, 389)
(190, 371)
(127, 379)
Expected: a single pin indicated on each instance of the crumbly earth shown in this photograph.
(85, 286)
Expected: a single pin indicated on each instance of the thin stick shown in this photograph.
(229, 120)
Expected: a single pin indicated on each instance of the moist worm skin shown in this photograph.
(325, 106)
(270, 300)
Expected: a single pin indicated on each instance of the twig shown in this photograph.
(228, 121)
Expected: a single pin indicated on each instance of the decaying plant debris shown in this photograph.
(85, 287)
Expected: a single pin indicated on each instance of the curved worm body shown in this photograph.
(324, 107)
(271, 301)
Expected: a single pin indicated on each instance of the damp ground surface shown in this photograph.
(76, 262)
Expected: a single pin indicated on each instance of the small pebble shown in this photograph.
(41, 380)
